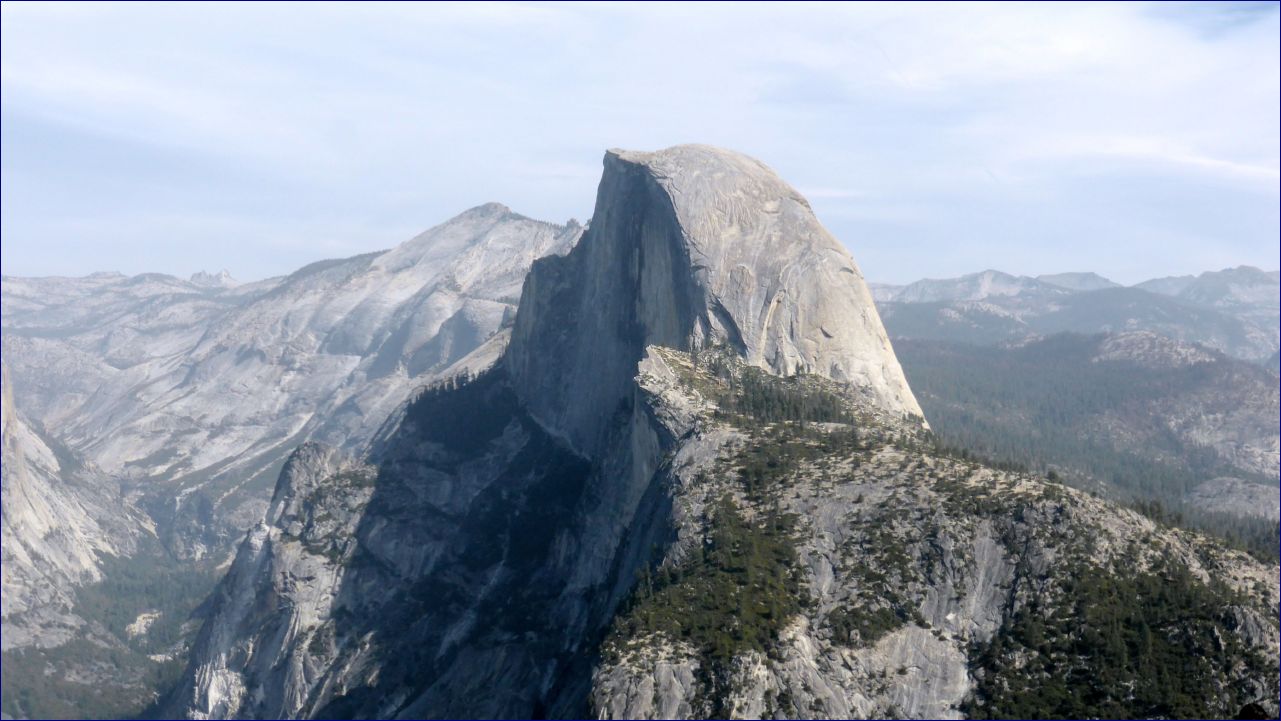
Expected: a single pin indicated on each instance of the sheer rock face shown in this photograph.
(690, 247)
(59, 515)
(284, 579)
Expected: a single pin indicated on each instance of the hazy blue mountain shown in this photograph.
(976, 286)
(1169, 285)
(1077, 281)
(1234, 310)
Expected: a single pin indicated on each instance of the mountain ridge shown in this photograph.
(188, 400)
(1234, 310)
(344, 338)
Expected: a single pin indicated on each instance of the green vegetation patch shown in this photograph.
(863, 626)
(748, 395)
(734, 594)
(82, 679)
(1156, 644)
(881, 565)
(113, 677)
(150, 580)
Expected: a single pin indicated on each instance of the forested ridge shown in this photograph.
(1050, 407)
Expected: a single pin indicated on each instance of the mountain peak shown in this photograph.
(1244, 270)
(489, 209)
(692, 247)
(221, 279)
(707, 171)
(494, 233)
(1080, 281)
(973, 286)
(1152, 350)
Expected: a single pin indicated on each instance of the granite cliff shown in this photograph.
(697, 484)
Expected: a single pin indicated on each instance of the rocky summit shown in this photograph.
(696, 484)
(693, 247)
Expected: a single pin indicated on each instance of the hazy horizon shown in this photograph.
(1132, 140)
(869, 278)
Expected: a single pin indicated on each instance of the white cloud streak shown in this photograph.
(903, 121)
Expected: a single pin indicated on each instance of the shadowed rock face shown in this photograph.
(690, 247)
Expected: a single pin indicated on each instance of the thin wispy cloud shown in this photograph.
(933, 139)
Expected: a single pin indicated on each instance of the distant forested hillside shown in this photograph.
(1141, 419)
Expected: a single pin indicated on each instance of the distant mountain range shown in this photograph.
(1234, 310)
(1243, 285)
(1166, 391)
(1138, 413)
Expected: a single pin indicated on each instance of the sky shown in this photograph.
(933, 140)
